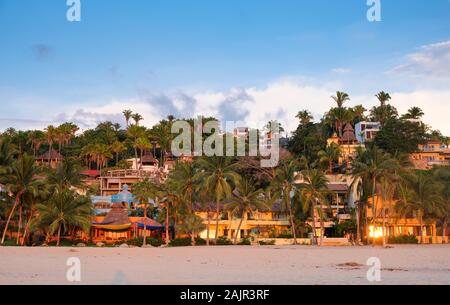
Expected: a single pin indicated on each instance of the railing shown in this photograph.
(131, 173)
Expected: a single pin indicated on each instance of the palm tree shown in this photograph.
(383, 97)
(341, 98)
(370, 165)
(37, 138)
(142, 144)
(137, 118)
(66, 174)
(50, 134)
(127, 114)
(358, 113)
(421, 195)
(245, 200)
(338, 117)
(414, 113)
(20, 180)
(65, 209)
(442, 176)
(183, 180)
(144, 191)
(117, 147)
(7, 153)
(218, 175)
(313, 193)
(305, 117)
(102, 154)
(329, 156)
(134, 132)
(192, 225)
(284, 186)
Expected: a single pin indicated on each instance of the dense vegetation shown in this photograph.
(38, 199)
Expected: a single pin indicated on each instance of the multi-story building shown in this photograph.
(430, 154)
(366, 131)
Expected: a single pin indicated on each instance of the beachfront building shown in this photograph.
(398, 225)
(432, 153)
(113, 181)
(367, 131)
(118, 226)
(270, 222)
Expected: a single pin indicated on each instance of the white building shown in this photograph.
(366, 131)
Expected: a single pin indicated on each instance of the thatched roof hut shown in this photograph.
(116, 219)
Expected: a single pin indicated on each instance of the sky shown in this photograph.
(240, 60)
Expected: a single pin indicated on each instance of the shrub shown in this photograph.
(138, 242)
(267, 242)
(186, 242)
(223, 241)
(245, 242)
(403, 239)
(285, 235)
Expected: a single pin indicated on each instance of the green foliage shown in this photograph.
(186, 242)
(223, 241)
(267, 242)
(403, 239)
(245, 242)
(401, 136)
(138, 242)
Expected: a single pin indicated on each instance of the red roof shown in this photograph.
(91, 173)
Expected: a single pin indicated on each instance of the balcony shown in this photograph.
(131, 173)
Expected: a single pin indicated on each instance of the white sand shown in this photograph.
(226, 265)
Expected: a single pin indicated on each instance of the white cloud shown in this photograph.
(429, 61)
(341, 70)
(279, 100)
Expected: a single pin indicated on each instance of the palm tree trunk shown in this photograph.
(192, 239)
(144, 243)
(238, 229)
(322, 227)
(117, 159)
(291, 218)
(217, 221)
(136, 157)
(384, 222)
(16, 203)
(313, 208)
(167, 225)
(374, 185)
(208, 219)
(27, 227)
(358, 225)
(59, 236)
(19, 227)
(421, 227)
(444, 230)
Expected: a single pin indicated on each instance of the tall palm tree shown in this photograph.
(144, 191)
(127, 114)
(305, 117)
(63, 210)
(245, 200)
(330, 156)
(50, 134)
(383, 98)
(218, 175)
(183, 179)
(382, 112)
(137, 118)
(284, 187)
(36, 138)
(422, 195)
(134, 132)
(341, 98)
(313, 192)
(66, 174)
(370, 165)
(117, 147)
(192, 225)
(20, 180)
(102, 154)
(142, 144)
(414, 113)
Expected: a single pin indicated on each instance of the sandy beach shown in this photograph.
(407, 264)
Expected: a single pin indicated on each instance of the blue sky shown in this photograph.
(236, 59)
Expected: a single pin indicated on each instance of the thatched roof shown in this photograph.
(349, 135)
(117, 215)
